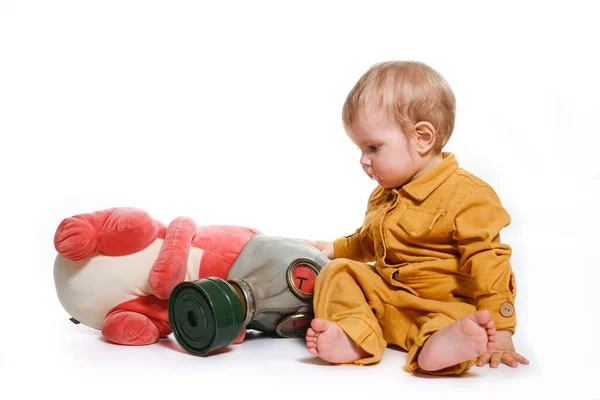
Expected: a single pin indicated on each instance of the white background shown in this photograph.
(229, 113)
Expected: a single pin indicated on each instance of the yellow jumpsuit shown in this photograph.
(427, 254)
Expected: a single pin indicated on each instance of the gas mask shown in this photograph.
(269, 288)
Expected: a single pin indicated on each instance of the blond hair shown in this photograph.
(408, 91)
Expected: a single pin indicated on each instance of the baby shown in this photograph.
(427, 271)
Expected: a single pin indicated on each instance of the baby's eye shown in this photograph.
(374, 147)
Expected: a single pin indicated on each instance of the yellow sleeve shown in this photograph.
(478, 220)
(357, 247)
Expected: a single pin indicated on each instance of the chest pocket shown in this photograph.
(418, 221)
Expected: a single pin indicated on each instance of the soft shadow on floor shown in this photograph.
(420, 375)
(315, 361)
(173, 345)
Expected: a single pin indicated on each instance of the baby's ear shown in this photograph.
(425, 135)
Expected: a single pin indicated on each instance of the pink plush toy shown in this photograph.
(116, 268)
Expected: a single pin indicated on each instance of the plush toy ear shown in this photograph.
(111, 232)
(171, 264)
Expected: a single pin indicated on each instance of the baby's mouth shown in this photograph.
(375, 177)
(372, 175)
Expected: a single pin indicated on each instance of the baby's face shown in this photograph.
(387, 155)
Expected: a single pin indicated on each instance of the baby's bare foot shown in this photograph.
(466, 339)
(328, 341)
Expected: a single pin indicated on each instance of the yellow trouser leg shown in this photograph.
(374, 313)
(339, 298)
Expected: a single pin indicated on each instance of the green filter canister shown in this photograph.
(205, 315)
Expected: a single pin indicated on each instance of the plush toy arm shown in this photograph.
(222, 245)
(169, 268)
(112, 232)
(137, 322)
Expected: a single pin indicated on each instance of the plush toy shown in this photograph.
(116, 271)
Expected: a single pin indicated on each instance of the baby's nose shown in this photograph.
(364, 161)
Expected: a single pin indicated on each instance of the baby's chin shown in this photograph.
(384, 183)
(389, 185)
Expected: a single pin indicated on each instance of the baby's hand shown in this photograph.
(503, 352)
(325, 247)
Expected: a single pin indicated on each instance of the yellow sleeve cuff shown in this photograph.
(503, 310)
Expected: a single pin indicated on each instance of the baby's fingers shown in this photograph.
(520, 358)
(314, 243)
(495, 360)
(509, 360)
